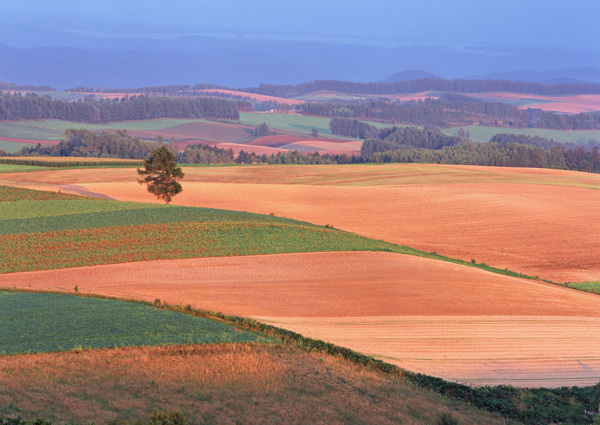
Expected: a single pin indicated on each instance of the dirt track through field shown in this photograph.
(427, 316)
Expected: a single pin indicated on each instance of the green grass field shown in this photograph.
(158, 124)
(296, 123)
(13, 168)
(40, 322)
(484, 134)
(29, 130)
(288, 122)
(12, 147)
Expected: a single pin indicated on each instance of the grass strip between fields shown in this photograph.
(592, 287)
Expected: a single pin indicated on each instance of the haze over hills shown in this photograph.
(64, 52)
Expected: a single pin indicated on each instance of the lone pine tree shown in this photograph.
(161, 174)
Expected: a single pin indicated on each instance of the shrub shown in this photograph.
(447, 419)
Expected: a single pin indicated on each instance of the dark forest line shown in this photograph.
(14, 107)
(392, 145)
(452, 110)
(426, 84)
(350, 87)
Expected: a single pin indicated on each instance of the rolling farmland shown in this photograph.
(383, 195)
(68, 233)
(499, 216)
(424, 315)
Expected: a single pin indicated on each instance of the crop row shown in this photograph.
(38, 322)
(72, 248)
(34, 217)
(29, 211)
(71, 162)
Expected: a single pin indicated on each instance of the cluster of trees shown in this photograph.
(582, 121)
(205, 154)
(352, 128)
(84, 143)
(33, 107)
(401, 138)
(499, 155)
(425, 84)
(262, 130)
(524, 139)
(4, 85)
(452, 110)
(444, 112)
(295, 157)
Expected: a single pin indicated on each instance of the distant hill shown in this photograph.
(409, 75)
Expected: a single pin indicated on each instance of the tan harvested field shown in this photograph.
(538, 222)
(424, 315)
(224, 384)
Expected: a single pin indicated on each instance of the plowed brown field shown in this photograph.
(538, 222)
(427, 316)
(567, 104)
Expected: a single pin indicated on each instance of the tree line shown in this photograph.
(15, 107)
(425, 84)
(84, 143)
(498, 155)
(503, 150)
(394, 138)
(350, 87)
(5, 85)
(451, 110)
(393, 145)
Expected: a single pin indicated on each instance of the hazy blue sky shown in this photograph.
(568, 23)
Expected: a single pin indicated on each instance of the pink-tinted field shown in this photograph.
(563, 104)
(427, 316)
(29, 141)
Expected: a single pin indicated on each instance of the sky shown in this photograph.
(552, 23)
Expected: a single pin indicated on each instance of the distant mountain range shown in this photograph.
(413, 74)
(63, 52)
(557, 76)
